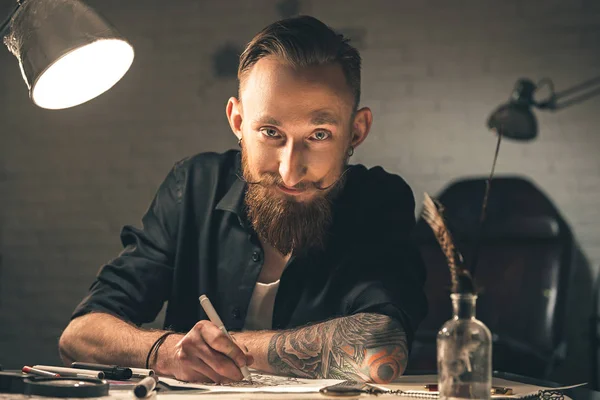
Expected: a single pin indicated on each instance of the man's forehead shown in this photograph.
(271, 79)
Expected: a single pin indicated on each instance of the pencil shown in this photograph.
(215, 319)
(28, 370)
(77, 372)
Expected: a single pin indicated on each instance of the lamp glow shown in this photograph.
(82, 74)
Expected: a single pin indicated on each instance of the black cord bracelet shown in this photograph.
(156, 345)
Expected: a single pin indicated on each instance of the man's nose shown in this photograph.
(292, 167)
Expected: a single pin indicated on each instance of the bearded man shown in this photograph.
(307, 259)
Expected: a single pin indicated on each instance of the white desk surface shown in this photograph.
(411, 382)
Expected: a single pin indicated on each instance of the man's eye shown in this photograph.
(321, 135)
(269, 132)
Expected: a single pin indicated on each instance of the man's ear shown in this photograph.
(361, 126)
(234, 116)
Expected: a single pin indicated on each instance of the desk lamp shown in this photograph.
(515, 120)
(67, 53)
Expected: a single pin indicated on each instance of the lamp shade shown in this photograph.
(67, 53)
(515, 120)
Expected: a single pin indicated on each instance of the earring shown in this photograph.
(240, 142)
(351, 151)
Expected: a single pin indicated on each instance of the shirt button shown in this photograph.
(235, 313)
(256, 256)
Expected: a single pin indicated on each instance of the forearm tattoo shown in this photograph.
(367, 347)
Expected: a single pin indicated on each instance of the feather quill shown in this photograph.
(460, 277)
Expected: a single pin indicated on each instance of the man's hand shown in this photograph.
(205, 353)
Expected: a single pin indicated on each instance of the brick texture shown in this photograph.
(433, 71)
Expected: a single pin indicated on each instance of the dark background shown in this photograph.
(432, 72)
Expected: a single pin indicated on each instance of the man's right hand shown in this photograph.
(205, 353)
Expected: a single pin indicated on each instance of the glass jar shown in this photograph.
(464, 353)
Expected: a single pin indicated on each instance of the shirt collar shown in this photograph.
(233, 201)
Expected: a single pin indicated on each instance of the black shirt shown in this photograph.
(195, 239)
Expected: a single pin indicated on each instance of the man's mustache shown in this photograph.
(271, 179)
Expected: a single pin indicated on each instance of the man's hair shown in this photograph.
(302, 42)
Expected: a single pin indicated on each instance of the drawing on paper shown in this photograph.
(260, 383)
(259, 380)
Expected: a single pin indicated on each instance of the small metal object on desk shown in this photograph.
(65, 387)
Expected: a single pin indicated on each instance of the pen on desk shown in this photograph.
(110, 371)
(141, 372)
(144, 387)
(34, 371)
(215, 319)
(433, 387)
(77, 372)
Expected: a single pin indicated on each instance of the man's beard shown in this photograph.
(282, 222)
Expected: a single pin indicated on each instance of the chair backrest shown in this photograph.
(522, 270)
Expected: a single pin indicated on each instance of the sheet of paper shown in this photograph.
(262, 383)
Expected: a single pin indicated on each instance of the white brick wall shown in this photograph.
(433, 70)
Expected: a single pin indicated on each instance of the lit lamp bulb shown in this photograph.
(67, 53)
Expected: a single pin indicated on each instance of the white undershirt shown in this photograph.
(260, 309)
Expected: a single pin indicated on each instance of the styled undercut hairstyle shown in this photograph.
(302, 42)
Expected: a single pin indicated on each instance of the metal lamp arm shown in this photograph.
(570, 96)
(550, 102)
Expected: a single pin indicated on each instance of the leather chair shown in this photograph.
(522, 273)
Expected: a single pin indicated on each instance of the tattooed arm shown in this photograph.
(367, 347)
